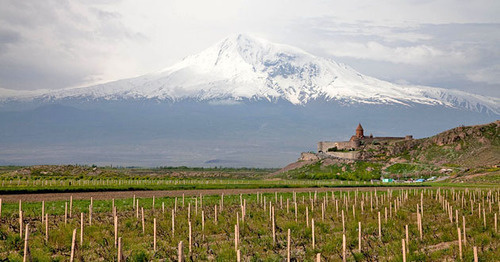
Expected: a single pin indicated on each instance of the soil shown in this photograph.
(440, 246)
(172, 193)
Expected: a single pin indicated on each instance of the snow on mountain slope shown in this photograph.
(245, 67)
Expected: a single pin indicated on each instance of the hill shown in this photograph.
(461, 151)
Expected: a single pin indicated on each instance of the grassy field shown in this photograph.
(60, 179)
(214, 240)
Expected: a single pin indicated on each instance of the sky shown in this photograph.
(55, 44)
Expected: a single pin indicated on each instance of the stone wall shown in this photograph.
(353, 155)
(323, 146)
(340, 145)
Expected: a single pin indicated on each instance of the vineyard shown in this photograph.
(356, 224)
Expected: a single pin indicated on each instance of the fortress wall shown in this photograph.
(323, 146)
(353, 155)
(344, 145)
(341, 145)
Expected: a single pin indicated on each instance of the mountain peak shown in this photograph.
(243, 39)
(242, 66)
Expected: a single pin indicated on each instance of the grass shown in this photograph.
(358, 171)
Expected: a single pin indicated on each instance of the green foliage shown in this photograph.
(139, 256)
(359, 171)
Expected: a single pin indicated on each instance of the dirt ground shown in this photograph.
(172, 193)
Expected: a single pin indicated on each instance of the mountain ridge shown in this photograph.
(243, 67)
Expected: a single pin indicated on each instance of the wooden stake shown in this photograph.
(137, 209)
(484, 217)
(20, 223)
(463, 229)
(154, 233)
(180, 254)
(43, 210)
(190, 237)
(359, 236)
(81, 229)
(116, 229)
(318, 257)
(73, 246)
(238, 256)
(26, 256)
(407, 239)
(120, 250)
(203, 224)
(173, 222)
(379, 227)
(419, 219)
(142, 218)
(403, 249)
(235, 237)
(496, 222)
(343, 221)
(459, 242)
(313, 240)
(475, 254)
(47, 228)
(288, 247)
(344, 254)
(90, 215)
(215, 217)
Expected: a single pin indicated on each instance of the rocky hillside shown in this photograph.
(453, 152)
(464, 146)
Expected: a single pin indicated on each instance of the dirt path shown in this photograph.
(170, 193)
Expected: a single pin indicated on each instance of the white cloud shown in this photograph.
(416, 54)
(489, 75)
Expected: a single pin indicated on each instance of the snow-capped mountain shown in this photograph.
(243, 67)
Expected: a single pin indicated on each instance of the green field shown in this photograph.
(60, 179)
(216, 240)
(211, 240)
